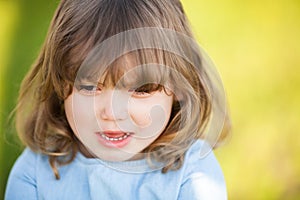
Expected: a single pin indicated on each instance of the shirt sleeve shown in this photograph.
(203, 178)
(22, 181)
(200, 186)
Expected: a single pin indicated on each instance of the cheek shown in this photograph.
(146, 113)
(79, 112)
(139, 113)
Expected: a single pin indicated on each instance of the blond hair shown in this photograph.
(76, 28)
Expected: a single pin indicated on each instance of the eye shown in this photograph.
(144, 91)
(89, 89)
(140, 94)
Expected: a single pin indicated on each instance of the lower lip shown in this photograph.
(113, 144)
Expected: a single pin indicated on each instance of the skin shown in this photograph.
(91, 110)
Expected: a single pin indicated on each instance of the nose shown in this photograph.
(112, 105)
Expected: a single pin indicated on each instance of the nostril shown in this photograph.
(114, 116)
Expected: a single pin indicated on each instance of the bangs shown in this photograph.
(138, 25)
(144, 70)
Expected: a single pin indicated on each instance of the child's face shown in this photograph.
(116, 125)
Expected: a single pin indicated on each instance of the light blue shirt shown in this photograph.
(86, 178)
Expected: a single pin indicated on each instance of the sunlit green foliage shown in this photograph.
(255, 45)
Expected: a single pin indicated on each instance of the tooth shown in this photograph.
(113, 138)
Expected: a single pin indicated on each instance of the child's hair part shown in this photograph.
(77, 28)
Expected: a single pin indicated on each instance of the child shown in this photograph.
(120, 104)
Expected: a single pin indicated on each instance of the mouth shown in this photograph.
(115, 139)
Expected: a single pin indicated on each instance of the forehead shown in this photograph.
(138, 67)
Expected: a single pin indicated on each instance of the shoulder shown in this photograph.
(22, 178)
(203, 177)
(200, 156)
(25, 164)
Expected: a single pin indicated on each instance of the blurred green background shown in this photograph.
(255, 45)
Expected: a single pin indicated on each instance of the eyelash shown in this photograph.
(93, 90)
(89, 89)
(136, 93)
